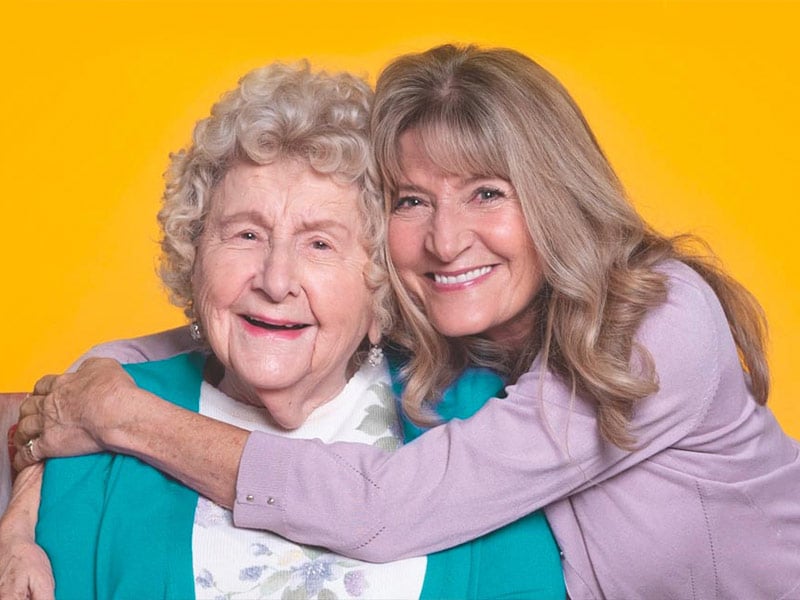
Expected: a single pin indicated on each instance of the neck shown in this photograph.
(288, 408)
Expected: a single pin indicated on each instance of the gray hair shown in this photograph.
(278, 112)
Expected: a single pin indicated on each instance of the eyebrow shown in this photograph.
(405, 186)
(306, 224)
(250, 216)
(323, 225)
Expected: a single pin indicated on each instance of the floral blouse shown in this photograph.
(231, 562)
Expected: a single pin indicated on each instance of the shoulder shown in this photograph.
(468, 393)
(690, 343)
(686, 283)
(176, 379)
(188, 363)
(153, 347)
(687, 340)
(690, 325)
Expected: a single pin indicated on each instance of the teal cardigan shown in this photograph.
(518, 561)
(115, 527)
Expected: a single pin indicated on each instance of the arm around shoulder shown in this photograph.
(156, 346)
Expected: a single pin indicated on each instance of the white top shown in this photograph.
(232, 562)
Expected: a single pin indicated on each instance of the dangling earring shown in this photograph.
(195, 331)
(375, 356)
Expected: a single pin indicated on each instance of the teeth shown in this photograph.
(258, 323)
(462, 278)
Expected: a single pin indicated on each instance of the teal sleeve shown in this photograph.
(520, 561)
(114, 527)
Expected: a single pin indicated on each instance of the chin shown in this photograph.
(456, 330)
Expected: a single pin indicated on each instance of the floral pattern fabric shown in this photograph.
(231, 563)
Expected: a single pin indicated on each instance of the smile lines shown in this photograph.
(462, 277)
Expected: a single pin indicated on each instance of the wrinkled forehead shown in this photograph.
(288, 189)
(462, 149)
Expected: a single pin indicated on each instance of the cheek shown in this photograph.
(511, 238)
(339, 297)
(217, 281)
(404, 243)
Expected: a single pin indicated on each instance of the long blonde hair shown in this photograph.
(497, 113)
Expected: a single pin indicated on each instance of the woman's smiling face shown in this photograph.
(279, 286)
(461, 247)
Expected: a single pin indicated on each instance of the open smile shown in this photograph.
(275, 325)
(459, 278)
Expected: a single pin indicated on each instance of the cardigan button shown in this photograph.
(250, 497)
(270, 500)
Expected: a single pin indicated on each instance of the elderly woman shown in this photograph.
(272, 232)
(636, 414)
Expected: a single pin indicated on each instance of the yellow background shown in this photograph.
(694, 102)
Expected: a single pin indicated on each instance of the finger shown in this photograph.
(32, 405)
(97, 361)
(28, 428)
(27, 455)
(45, 385)
(42, 588)
(22, 461)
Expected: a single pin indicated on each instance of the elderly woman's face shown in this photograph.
(279, 286)
(461, 246)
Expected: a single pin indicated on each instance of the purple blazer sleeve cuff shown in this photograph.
(262, 481)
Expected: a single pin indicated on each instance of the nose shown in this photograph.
(449, 234)
(280, 271)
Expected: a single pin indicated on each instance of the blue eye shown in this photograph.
(489, 194)
(407, 202)
(248, 235)
(320, 245)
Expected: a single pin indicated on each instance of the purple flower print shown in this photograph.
(208, 514)
(204, 579)
(251, 573)
(259, 549)
(315, 573)
(354, 582)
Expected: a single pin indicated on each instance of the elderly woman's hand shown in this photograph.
(25, 570)
(71, 414)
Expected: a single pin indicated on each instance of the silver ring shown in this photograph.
(29, 449)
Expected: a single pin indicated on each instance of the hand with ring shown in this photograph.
(29, 445)
(68, 415)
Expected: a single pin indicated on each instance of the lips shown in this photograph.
(274, 325)
(464, 277)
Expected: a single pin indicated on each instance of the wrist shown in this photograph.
(19, 518)
(115, 420)
(135, 416)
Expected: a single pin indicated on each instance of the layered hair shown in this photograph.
(497, 113)
(276, 113)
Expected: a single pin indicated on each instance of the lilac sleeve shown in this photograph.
(463, 479)
(156, 346)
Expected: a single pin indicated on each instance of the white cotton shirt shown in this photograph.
(244, 563)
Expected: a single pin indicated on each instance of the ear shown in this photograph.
(374, 332)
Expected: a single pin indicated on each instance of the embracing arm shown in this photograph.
(465, 478)
(99, 407)
(452, 484)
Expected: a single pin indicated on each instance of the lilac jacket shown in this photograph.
(708, 506)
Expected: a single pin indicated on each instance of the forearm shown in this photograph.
(19, 519)
(202, 453)
(25, 571)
